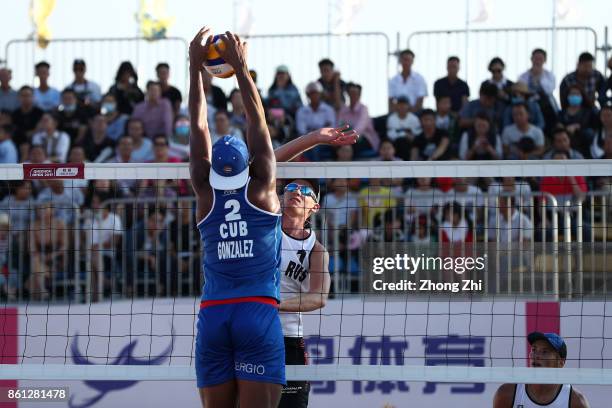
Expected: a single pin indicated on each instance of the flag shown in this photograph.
(346, 10)
(567, 10)
(244, 17)
(40, 10)
(153, 19)
(484, 11)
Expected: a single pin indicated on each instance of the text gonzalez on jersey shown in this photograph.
(234, 228)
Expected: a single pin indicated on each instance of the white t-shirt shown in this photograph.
(397, 127)
(339, 209)
(468, 199)
(413, 87)
(519, 226)
(511, 135)
(423, 200)
(103, 230)
(48, 100)
(57, 144)
(546, 81)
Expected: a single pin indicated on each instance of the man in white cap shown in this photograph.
(240, 354)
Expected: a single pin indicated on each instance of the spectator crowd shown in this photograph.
(130, 123)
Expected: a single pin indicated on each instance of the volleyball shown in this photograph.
(216, 65)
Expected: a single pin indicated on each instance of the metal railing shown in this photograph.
(477, 47)
(155, 251)
(102, 56)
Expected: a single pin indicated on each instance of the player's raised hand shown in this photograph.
(198, 48)
(235, 52)
(342, 135)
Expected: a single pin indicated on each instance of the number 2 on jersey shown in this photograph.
(234, 214)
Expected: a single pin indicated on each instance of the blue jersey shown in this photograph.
(242, 248)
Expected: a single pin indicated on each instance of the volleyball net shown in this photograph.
(438, 272)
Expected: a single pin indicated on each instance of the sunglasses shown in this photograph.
(305, 190)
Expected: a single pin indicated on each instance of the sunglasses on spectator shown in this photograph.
(305, 190)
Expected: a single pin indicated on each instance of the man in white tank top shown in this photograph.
(305, 279)
(548, 350)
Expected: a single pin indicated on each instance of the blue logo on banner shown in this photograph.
(125, 357)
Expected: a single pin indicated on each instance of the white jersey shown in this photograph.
(295, 278)
(522, 399)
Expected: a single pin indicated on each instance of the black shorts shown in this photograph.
(295, 393)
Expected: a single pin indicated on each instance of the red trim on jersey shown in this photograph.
(259, 299)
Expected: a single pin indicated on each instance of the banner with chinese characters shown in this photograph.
(354, 330)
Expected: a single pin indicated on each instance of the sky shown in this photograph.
(394, 19)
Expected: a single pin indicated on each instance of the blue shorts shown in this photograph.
(239, 340)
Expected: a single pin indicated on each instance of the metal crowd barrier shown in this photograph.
(156, 250)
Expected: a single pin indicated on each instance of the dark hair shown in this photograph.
(353, 85)
(442, 95)
(162, 65)
(222, 112)
(126, 66)
(558, 130)
(488, 89)
(564, 152)
(538, 51)
(179, 117)
(109, 94)
(160, 136)
(69, 90)
(26, 88)
(151, 83)
(482, 115)
(42, 64)
(326, 61)
(521, 104)
(132, 120)
(452, 58)
(52, 115)
(124, 137)
(426, 112)
(496, 60)
(8, 129)
(233, 92)
(385, 140)
(407, 51)
(585, 57)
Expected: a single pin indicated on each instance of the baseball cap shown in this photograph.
(314, 87)
(553, 339)
(282, 68)
(230, 164)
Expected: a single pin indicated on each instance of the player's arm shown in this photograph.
(316, 297)
(578, 400)
(328, 136)
(263, 167)
(504, 397)
(200, 144)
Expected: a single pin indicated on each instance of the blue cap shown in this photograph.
(230, 164)
(553, 339)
